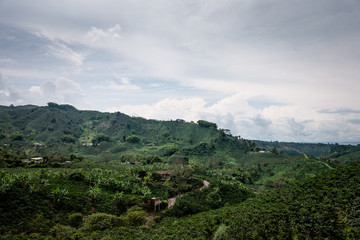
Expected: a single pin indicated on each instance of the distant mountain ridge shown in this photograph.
(62, 129)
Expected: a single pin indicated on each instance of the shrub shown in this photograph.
(206, 124)
(100, 138)
(170, 150)
(130, 157)
(77, 176)
(62, 232)
(17, 136)
(220, 232)
(156, 176)
(132, 139)
(101, 221)
(68, 138)
(135, 216)
(75, 220)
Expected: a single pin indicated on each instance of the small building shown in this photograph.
(37, 159)
(165, 175)
(138, 163)
(25, 160)
(156, 202)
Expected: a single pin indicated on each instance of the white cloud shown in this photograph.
(166, 109)
(97, 34)
(124, 85)
(61, 90)
(283, 123)
(62, 51)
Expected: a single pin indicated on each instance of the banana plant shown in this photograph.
(59, 195)
(94, 192)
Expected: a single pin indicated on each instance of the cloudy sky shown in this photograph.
(286, 70)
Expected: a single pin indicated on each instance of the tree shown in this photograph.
(100, 138)
(17, 136)
(68, 138)
(156, 177)
(142, 174)
(132, 139)
(206, 124)
(106, 157)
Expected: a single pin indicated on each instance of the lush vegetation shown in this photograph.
(70, 174)
(32, 131)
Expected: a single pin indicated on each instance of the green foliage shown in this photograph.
(209, 198)
(316, 208)
(206, 124)
(75, 220)
(2, 136)
(106, 157)
(68, 138)
(100, 138)
(55, 124)
(59, 195)
(178, 159)
(130, 157)
(155, 176)
(94, 192)
(293, 199)
(220, 232)
(62, 232)
(120, 201)
(132, 139)
(17, 136)
(8, 159)
(77, 176)
(101, 221)
(135, 216)
(170, 150)
(201, 149)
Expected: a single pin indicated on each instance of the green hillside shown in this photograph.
(322, 207)
(114, 204)
(71, 174)
(64, 130)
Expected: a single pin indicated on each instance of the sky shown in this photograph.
(285, 70)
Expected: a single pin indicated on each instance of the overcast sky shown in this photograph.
(286, 70)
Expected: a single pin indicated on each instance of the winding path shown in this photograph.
(172, 201)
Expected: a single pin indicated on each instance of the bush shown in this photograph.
(77, 176)
(76, 220)
(135, 216)
(220, 232)
(17, 136)
(68, 138)
(206, 124)
(62, 232)
(100, 138)
(170, 150)
(132, 139)
(101, 221)
(130, 157)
